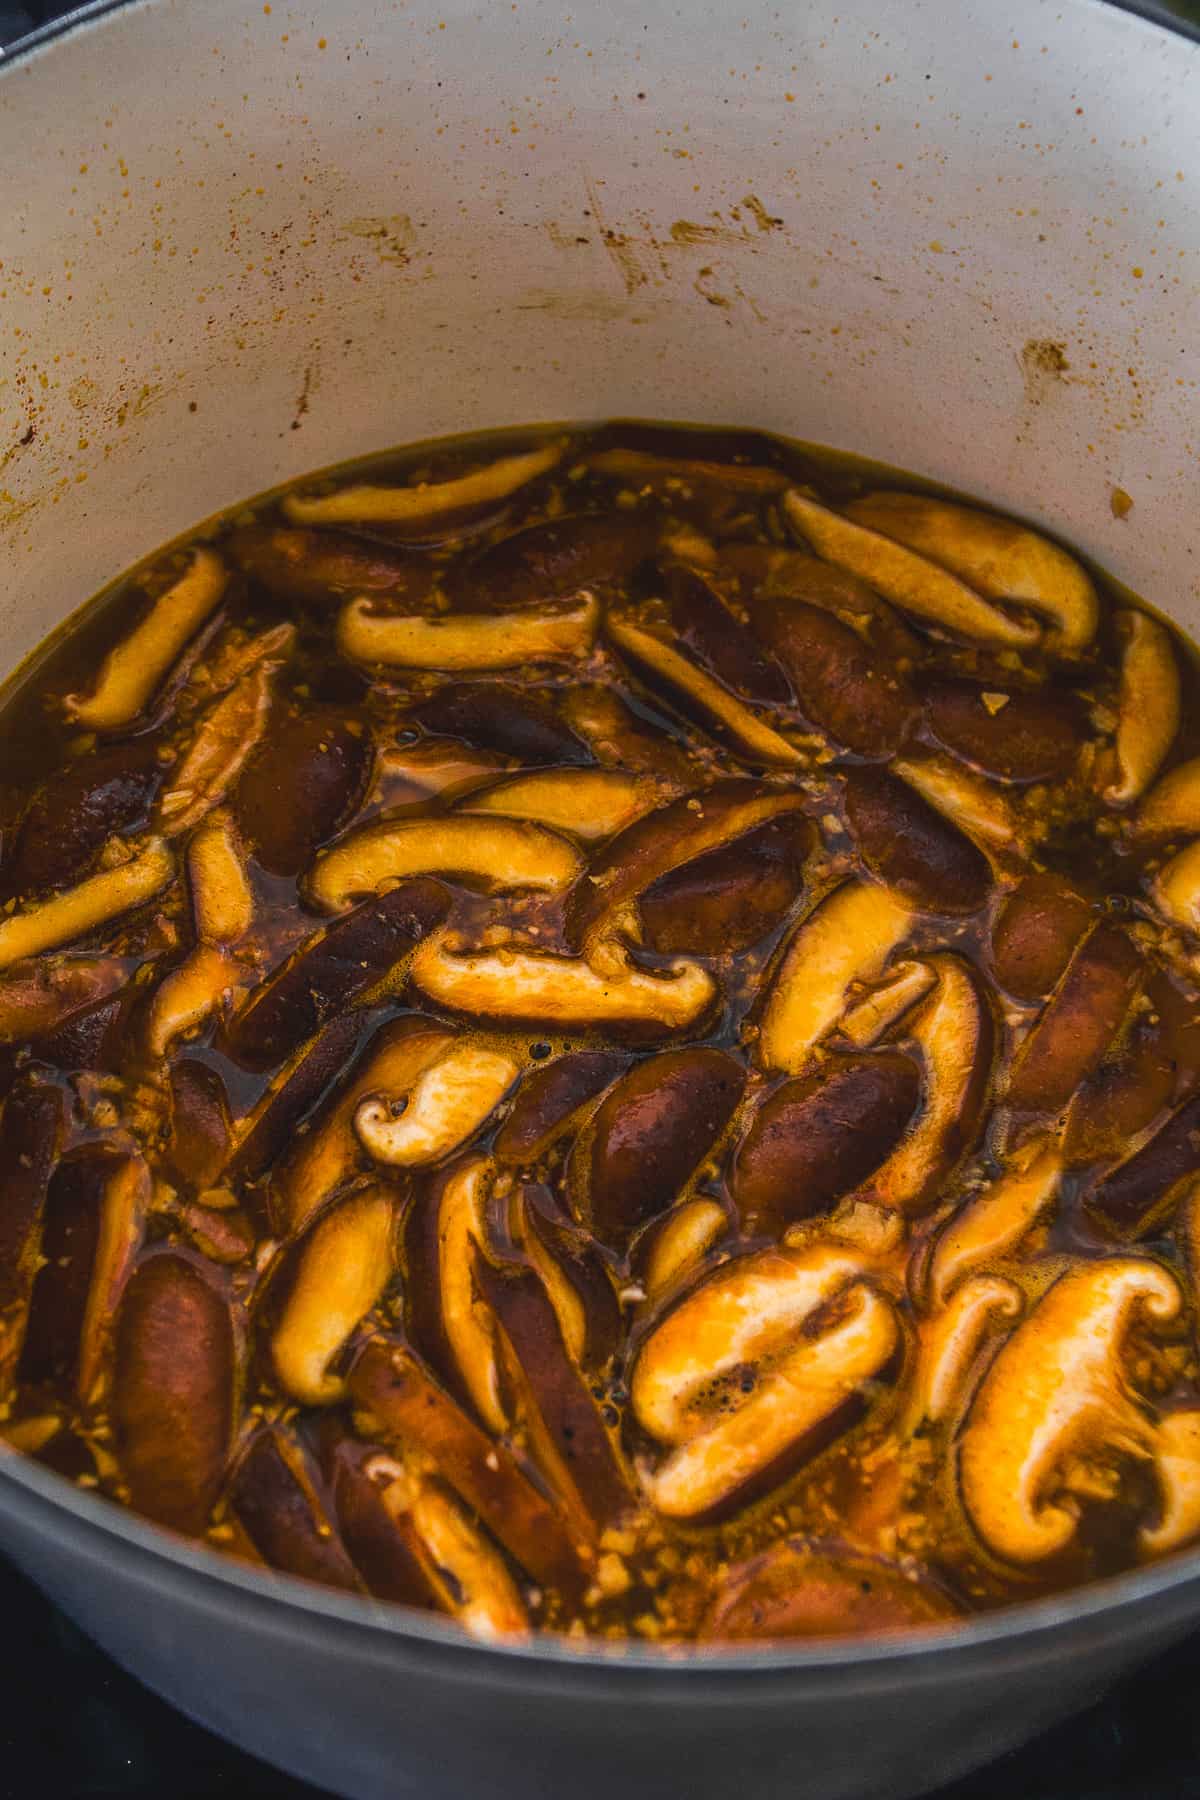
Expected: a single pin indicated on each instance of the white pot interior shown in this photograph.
(243, 240)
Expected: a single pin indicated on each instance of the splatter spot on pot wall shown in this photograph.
(1044, 366)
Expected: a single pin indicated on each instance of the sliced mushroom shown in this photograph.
(519, 988)
(198, 1146)
(1144, 1072)
(498, 855)
(225, 738)
(820, 1136)
(172, 1390)
(31, 1129)
(999, 557)
(342, 1267)
(203, 984)
(271, 1125)
(589, 803)
(468, 1574)
(133, 670)
(331, 970)
(912, 846)
(701, 696)
(996, 1220)
(552, 560)
(979, 808)
(1078, 1023)
(847, 937)
(329, 1153)
(603, 900)
(233, 655)
(318, 568)
(38, 996)
(1141, 1192)
(620, 738)
(497, 715)
(1172, 807)
(679, 1243)
(423, 503)
(448, 1319)
(1175, 889)
(410, 775)
(574, 1274)
(760, 573)
(460, 640)
(1010, 733)
(885, 1004)
(304, 781)
(379, 1539)
(910, 581)
(450, 1100)
(273, 1493)
(800, 1589)
(848, 687)
(557, 1411)
(96, 900)
(654, 1128)
(1149, 706)
(222, 903)
(956, 1035)
(713, 635)
(550, 1100)
(397, 1401)
(950, 1347)
(105, 794)
(739, 1384)
(1036, 933)
(728, 899)
(1056, 1390)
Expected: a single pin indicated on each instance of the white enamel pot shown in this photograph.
(240, 240)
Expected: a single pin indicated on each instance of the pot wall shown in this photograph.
(376, 1716)
(240, 242)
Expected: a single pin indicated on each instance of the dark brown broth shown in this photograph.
(882, 1494)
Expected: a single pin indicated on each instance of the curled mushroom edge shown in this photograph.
(513, 984)
(449, 1101)
(1057, 1389)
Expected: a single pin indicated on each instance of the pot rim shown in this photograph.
(1151, 12)
(901, 1654)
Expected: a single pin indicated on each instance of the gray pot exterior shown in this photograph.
(358, 1707)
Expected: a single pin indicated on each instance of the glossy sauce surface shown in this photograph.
(600, 1032)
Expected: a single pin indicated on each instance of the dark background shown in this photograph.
(75, 1727)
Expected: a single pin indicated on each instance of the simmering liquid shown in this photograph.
(600, 1032)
